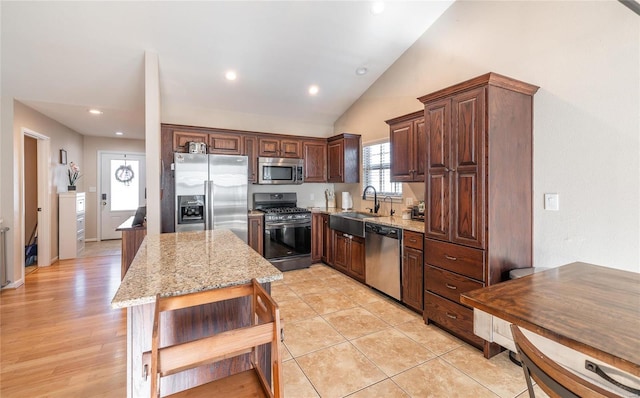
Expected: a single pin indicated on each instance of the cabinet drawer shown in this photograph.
(448, 284)
(414, 240)
(452, 316)
(455, 258)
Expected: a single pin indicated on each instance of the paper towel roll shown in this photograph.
(347, 202)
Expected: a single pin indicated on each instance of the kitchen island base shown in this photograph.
(188, 324)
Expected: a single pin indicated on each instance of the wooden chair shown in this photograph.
(264, 328)
(552, 378)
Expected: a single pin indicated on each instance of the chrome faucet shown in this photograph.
(391, 212)
(376, 205)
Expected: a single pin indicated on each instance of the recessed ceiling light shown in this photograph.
(95, 111)
(313, 90)
(231, 75)
(119, 133)
(377, 7)
(361, 71)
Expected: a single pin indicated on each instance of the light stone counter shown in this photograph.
(395, 221)
(184, 262)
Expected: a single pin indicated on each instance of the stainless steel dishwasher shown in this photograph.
(382, 258)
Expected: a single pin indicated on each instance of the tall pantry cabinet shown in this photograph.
(478, 193)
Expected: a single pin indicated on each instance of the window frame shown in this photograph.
(395, 196)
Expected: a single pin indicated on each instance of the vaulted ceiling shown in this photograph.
(64, 58)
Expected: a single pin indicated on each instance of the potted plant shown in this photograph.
(74, 174)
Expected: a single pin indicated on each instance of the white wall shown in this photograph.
(585, 56)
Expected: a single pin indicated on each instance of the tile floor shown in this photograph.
(343, 339)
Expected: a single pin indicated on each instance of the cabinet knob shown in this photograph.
(448, 169)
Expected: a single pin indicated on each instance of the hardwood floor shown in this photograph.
(59, 336)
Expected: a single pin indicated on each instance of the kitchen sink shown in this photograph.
(350, 222)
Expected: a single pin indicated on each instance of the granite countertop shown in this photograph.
(392, 221)
(184, 262)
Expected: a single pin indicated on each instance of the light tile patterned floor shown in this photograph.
(343, 339)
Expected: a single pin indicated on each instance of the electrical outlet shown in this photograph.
(551, 201)
(312, 196)
(408, 201)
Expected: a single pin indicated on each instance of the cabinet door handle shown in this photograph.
(449, 286)
(448, 257)
(448, 169)
(452, 316)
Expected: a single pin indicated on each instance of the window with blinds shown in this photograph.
(376, 167)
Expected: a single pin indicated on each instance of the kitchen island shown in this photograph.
(178, 263)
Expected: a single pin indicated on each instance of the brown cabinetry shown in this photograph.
(279, 147)
(317, 235)
(251, 151)
(225, 144)
(181, 138)
(349, 255)
(412, 270)
(327, 241)
(315, 160)
(407, 141)
(343, 158)
(478, 193)
(256, 233)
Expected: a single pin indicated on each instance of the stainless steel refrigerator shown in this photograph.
(211, 192)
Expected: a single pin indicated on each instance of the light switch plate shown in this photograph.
(92, 189)
(551, 201)
(408, 201)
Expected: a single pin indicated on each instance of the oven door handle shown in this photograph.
(270, 225)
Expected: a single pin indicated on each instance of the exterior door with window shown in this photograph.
(122, 190)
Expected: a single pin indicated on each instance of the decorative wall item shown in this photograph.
(74, 174)
(63, 156)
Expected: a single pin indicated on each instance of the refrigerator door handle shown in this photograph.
(208, 201)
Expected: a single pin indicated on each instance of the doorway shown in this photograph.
(36, 203)
(122, 190)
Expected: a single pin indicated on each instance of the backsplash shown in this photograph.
(309, 194)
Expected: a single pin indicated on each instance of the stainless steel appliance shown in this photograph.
(382, 258)
(211, 192)
(280, 171)
(287, 230)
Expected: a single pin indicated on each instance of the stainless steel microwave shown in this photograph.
(280, 171)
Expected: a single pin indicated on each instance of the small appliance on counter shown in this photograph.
(331, 198)
(347, 201)
(417, 212)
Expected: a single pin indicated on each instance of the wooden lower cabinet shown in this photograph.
(349, 255)
(255, 235)
(327, 241)
(317, 235)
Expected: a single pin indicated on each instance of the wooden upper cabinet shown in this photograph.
(251, 151)
(181, 138)
(408, 141)
(489, 113)
(315, 161)
(344, 158)
(467, 168)
(454, 186)
(225, 144)
(279, 147)
(438, 125)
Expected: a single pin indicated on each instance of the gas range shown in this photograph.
(287, 230)
(280, 207)
(286, 214)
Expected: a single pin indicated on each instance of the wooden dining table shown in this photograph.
(579, 312)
